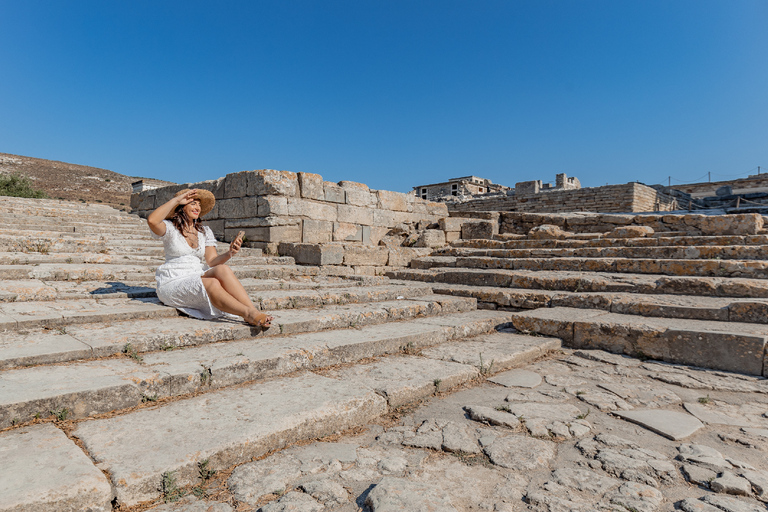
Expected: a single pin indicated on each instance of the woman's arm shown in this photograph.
(156, 218)
(213, 259)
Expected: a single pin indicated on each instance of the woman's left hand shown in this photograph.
(234, 247)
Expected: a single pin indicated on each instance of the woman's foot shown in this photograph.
(259, 319)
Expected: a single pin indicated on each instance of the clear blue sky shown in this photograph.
(390, 93)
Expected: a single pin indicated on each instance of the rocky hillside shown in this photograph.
(72, 182)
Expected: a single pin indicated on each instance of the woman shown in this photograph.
(194, 278)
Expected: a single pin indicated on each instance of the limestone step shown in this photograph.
(674, 267)
(227, 427)
(33, 258)
(133, 272)
(93, 387)
(662, 241)
(737, 252)
(25, 290)
(730, 346)
(591, 282)
(693, 307)
(53, 335)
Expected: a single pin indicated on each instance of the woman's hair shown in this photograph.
(180, 220)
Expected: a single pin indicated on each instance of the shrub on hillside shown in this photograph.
(18, 185)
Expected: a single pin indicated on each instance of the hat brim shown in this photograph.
(204, 196)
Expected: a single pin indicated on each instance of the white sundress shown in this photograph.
(179, 282)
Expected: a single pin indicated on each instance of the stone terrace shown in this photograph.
(374, 393)
(698, 296)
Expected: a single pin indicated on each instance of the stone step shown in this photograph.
(591, 282)
(86, 388)
(662, 241)
(129, 272)
(729, 346)
(42, 337)
(227, 427)
(673, 267)
(107, 257)
(713, 252)
(25, 290)
(722, 309)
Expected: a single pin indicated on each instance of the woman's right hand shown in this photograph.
(187, 197)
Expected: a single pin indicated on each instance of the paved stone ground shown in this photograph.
(551, 439)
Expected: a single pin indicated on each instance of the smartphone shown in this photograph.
(240, 235)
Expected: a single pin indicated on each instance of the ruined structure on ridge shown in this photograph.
(459, 188)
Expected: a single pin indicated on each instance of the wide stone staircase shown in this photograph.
(679, 297)
(105, 393)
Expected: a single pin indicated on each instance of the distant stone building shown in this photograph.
(466, 186)
(562, 182)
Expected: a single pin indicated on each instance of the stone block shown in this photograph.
(311, 186)
(272, 205)
(741, 224)
(481, 229)
(216, 187)
(45, 471)
(376, 234)
(355, 214)
(452, 223)
(384, 218)
(547, 232)
(452, 236)
(389, 200)
(262, 222)
(358, 194)
(236, 184)
(269, 182)
(290, 233)
(217, 226)
(165, 194)
(437, 209)
(431, 238)
(238, 208)
(316, 231)
(345, 231)
(630, 232)
(312, 209)
(365, 255)
(334, 193)
(402, 256)
(143, 201)
(313, 254)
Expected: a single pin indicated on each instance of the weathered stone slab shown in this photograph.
(83, 390)
(711, 415)
(313, 254)
(517, 379)
(521, 453)
(40, 348)
(494, 352)
(224, 427)
(269, 182)
(672, 424)
(393, 494)
(406, 379)
(46, 472)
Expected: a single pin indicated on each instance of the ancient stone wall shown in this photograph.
(279, 206)
(758, 183)
(629, 197)
(685, 224)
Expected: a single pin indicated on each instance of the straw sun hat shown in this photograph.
(204, 196)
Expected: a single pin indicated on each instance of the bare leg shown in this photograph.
(230, 283)
(223, 300)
